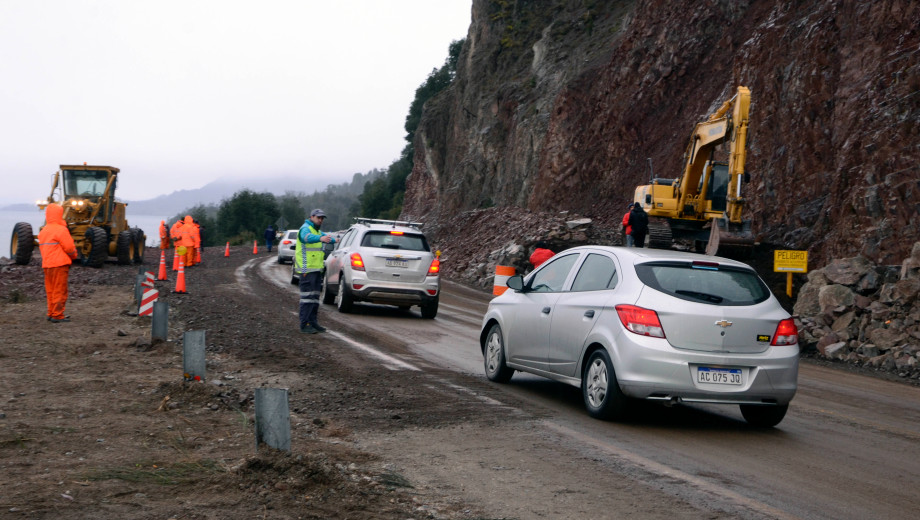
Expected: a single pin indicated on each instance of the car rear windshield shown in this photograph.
(705, 282)
(395, 240)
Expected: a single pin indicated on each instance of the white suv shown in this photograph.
(383, 261)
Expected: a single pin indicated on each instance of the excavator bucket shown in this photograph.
(729, 239)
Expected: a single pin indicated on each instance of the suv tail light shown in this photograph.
(357, 263)
(435, 267)
(637, 320)
(786, 333)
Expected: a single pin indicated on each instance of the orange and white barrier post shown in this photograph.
(180, 278)
(175, 258)
(227, 250)
(150, 296)
(161, 275)
(502, 273)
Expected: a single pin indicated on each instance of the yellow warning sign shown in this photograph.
(787, 261)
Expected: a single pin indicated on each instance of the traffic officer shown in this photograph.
(308, 262)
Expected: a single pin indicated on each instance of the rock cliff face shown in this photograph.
(558, 106)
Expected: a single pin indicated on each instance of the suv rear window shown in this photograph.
(704, 282)
(395, 240)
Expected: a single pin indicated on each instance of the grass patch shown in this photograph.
(168, 475)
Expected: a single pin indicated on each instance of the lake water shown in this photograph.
(8, 219)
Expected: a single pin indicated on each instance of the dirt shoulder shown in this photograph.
(97, 420)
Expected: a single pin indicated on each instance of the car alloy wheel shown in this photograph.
(494, 356)
(601, 392)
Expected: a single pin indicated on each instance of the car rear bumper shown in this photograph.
(668, 374)
(396, 294)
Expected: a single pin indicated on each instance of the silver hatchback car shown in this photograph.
(625, 323)
(383, 261)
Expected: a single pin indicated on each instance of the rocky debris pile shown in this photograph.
(474, 242)
(856, 311)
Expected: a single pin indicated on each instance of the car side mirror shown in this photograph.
(516, 282)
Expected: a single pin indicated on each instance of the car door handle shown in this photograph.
(589, 314)
(545, 310)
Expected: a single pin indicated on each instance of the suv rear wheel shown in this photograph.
(430, 309)
(325, 295)
(343, 298)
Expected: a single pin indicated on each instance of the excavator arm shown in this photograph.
(729, 122)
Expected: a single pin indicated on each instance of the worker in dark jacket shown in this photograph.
(638, 223)
(269, 237)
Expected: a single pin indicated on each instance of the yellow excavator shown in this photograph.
(704, 205)
(95, 219)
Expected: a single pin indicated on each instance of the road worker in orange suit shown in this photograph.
(187, 239)
(58, 251)
(197, 241)
(164, 235)
(174, 235)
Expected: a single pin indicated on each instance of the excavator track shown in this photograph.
(659, 233)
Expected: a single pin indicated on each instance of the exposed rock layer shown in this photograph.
(558, 105)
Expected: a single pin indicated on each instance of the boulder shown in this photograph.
(848, 271)
(835, 295)
(886, 339)
(836, 350)
(806, 303)
(906, 290)
(910, 267)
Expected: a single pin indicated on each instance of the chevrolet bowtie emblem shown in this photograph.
(724, 324)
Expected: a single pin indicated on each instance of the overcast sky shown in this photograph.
(179, 93)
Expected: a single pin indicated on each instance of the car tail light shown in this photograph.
(357, 263)
(286, 242)
(786, 333)
(435, 267)
(432, 292)
(637, 320)
(396, 232)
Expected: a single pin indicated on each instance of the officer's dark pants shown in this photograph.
(309, 297)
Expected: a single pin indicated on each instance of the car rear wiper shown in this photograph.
(701, 296)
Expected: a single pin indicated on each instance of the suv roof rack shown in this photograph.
(394, 223)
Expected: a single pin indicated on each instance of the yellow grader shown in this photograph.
(96, 220)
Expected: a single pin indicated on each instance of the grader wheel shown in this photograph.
(98, 243)
(22, 243)
(124, 247)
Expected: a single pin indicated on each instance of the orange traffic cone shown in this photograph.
(162, 274)
(180, 278)
(175, 266)
(197, 255)
(255, 247)
(227, 250)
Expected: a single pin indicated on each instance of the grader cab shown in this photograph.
(96, 220)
